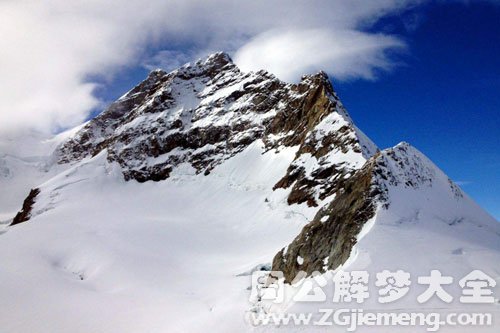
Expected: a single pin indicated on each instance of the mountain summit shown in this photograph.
(205, 113)
(153, 215)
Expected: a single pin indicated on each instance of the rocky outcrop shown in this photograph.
(330, 136)
(25, 213)
(326, 242)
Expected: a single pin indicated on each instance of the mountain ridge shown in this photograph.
(213, 112)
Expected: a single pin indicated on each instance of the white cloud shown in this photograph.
(49, 49)
(343, 54)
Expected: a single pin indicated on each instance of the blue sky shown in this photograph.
(443, 96)
(445, 100)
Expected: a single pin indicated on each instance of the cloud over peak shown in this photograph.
(51, 48)
(344, 54)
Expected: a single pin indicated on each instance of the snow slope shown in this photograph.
(26, 161)
(101, 254)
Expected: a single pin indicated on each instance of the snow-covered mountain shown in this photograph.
(205, 113)
(152, 216)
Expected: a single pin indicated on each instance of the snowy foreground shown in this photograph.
(94, 260)
(105, 255)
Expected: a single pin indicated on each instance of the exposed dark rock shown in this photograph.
(322, 181)
(326, 242)
(25, 213)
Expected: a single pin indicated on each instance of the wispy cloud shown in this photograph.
(49, 49)
(167, 59)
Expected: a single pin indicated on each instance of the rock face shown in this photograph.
(206, 112)
(326, 242)
(25, 213)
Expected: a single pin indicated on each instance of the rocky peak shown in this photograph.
(404, 166)
(207, 111)
(211, 66)
(319, 79)
(217, 61)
